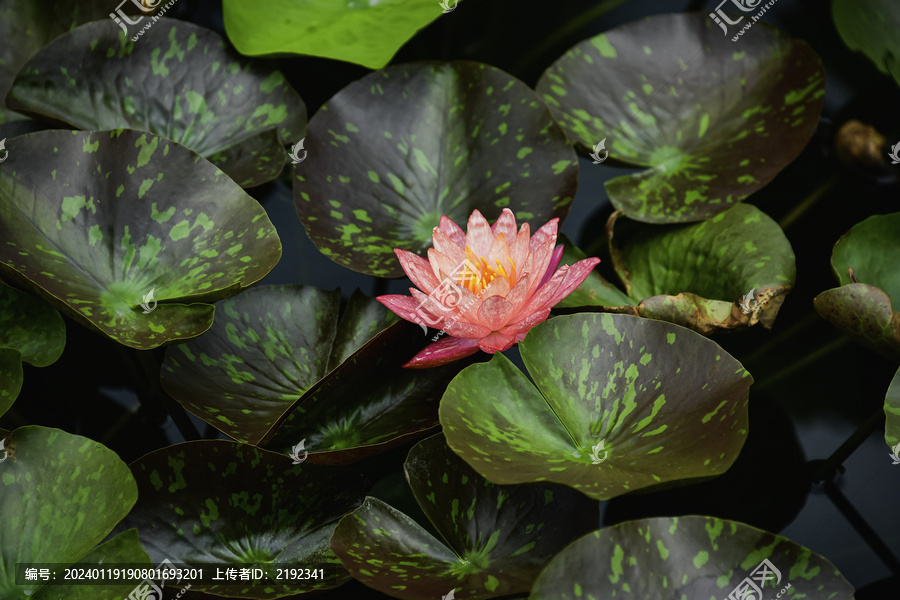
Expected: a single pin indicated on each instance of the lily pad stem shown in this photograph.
(825, 470)
(170, 405)
(809, 201)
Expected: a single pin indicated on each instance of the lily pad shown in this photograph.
(30, 331)
(230, 504)
(711, 120)
(125, 548)
(688, 557)
(733, 270)
(177, 80)
(62, 494)
(495, 538)
(344, 422)
(26, 26)
(866, 305)
(621, 404)
(366, 33)
(892, 414)
(101, 223)
(393, 152)
(871, 26)
(267, 348)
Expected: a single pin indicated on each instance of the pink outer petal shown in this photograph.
(506, 225)
(444, 244)
(496, 342)
(519, 247)
(524, 326)
(554, 262)
(544, 294)
(418, 270)
(478, 234)
(441, 352)
(443, 267)
(541, 264)
(547, 232)
(409, 309)
(576, 275)
(453, 231)
(495, 312)
(461, 329)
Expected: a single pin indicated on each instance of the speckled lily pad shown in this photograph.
(688, 557)
(179, 81)
(495, 538)
(621, 404)
(712, 120)
(100, 223)
(871, 26)
(391, 153)
(892, 413)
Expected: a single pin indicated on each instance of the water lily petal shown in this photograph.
(498, 287)
(554, 262)
(496, 342)
(408, 308)
(443, 266)
(541, 263)
(478, 234)
(575, 276)
(495, 312)
(520, 248)
(453, 231)
(506, 224)
(547, 232)
(522, 327)
(463, 329)
(447, 246)
(443, 351)
(418, 270)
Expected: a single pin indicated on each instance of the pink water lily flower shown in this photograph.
(486, 287)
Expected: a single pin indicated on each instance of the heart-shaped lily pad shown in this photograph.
(688, 557)
(343, 422)
(892, 415)
(234, 505)
(366, 33)
(733, 270)
(621, 403)
(60, 494)
(867, 305)
(871, 26)
(123, 549)
(495, 538)
(105, 225)
(30, 331)
(26, 26)
(179, 81)
(393, 152)
(713, 121)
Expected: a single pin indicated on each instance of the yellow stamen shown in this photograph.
(477, 274)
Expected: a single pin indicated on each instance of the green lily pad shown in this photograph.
(871, 26)
(365, 33)
(892, 414)
(97, 222)
(688, 557)
(177, 80)
(26, 26)
(387, 159)
(234, 505)
(699, 275)
(711, 120)
(343, 422)
(61, 495)
(125, 548)
(495, 538)
(266, 349)
(621, 404)
(866, 305)
(30, 331)
(595, 290)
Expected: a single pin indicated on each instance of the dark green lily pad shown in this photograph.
(125, 548)
(892, 415)
(495, 538)
(595, 290)
(343, 421)
(621, 404)
(866, 305)
(699, 275)
(177, 80)
(266, 349)
(26, 26)
(30, 331)
(393, 152)
(871, 26)
(713, 121)
(60, 495)
(235, 505)
(95, 222)
(366, 33)
(688, 557)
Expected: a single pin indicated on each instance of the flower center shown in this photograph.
(477, 273)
